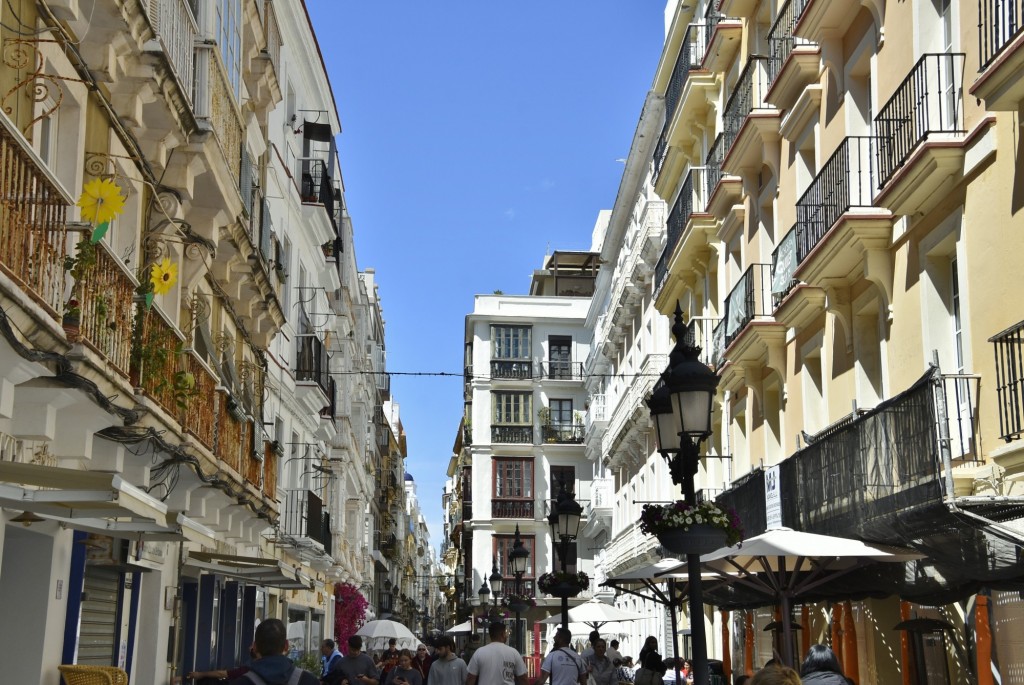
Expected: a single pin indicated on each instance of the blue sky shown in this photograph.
(476, 135)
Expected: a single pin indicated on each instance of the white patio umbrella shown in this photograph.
(460, 629)
(595, 614)
(783, 564)
(377, 633)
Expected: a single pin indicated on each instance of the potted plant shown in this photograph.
(72, 320)
(691, 529)
(563, 583)
(518, 602)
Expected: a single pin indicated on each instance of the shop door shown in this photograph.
(98, 631)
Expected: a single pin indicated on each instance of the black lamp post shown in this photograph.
(564, 520)
(496, 580)
(518, 560)
(681, 409)
(484, 593)
(426, 610)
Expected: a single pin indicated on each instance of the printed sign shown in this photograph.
(773, 498)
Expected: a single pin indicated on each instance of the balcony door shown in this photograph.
(560, 357)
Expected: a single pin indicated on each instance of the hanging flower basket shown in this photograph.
(518, 607)
(700, 538)
(518, 602)
(561, 584)
(691, 529)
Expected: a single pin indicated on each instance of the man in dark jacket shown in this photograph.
(273, 667)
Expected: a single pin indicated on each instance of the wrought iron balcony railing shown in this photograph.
(784, 265)
(660, 152)
(562, 370)
(511, 508)
(846, 180)
(216, 108)
(312, 363)
(692, 198)
(781, 40)
(930, 100)
(562, 434)
(747, 95)
(999, 22)
(174, 22)
(512, 434)
(1009, 351)
(32, 222)
(691, 53)
(711, 19)
(700, 332)
(750, 298)
(713, 165)
(512, 369)
(316, 186)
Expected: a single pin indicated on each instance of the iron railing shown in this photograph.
(562, 434)
(1009, 351)
(784, 267)
(660, 151)
(316, 186)
(272, 33)
(174, 23)
(512, 508)
(691, 53)
(562, 370)
(712, 17)
(514, 369)
(781, 40)
(700, 332)
(845, 181)
(750, 298)
(512, 434)
(107, 292)
(691, 199)
(312, 363)
(999, 22)
(215, 107)
(303, 515)
(713, 165)
(930, 100)
(33, 217)
(747, 95)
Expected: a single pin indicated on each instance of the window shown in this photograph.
(513, 408)
(559, 357)
(560, 475)
(510, 342)
(512, 489)
(513, 478)
(561, 412)
(502, 548)
(229, 38)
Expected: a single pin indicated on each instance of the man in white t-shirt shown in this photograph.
(563, 665)
(496, 663)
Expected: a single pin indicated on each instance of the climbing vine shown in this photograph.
(349, 613)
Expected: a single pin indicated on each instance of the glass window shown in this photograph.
(229, 39)
(513, 478)
(510, 342)
(502, 548)
(515, 408)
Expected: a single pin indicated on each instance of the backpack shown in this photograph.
(293, 679)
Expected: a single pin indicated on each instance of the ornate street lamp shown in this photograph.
(496, 579)
(484, 593)
(681, 408)
(518, 560)
(564, 520)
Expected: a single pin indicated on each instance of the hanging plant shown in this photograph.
(349, 613)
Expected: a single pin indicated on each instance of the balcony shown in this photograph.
(176, 31)
(312, 372)
(198, 413)
(700, 333)
(303, 516)
(840, 235)
(750, 124)
(317, 188)
(691, 201)
(32, 222)
(511, 508)
(1001, 29)
(562, 434)
(512, 435)
(562, 370)
(723, 191)
(920, 134)
(751, 335)
(262, 74)
(691, 53)
(106, 292)
(216, 109)
(796, 305)
(821, 19)
(596, 411)
(511, 369)
(721, 38)
(795, 62)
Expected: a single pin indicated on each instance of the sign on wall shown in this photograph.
(772, 498)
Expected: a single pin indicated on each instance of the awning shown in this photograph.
(264, 571)
(92, 501)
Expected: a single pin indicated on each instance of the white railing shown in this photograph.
(601, 495)
(596, 411)
(627, 546)
(176, 28)
(628, 276)
(214, 104)
(645, 378)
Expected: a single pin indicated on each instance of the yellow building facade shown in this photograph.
(842, 182)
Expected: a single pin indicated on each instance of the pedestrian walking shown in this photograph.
(496, 663)
(404, 673)
(273, 667)
(447, 668)
(563, 665)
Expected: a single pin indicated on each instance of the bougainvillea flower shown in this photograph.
(101, 200)
(163, 276)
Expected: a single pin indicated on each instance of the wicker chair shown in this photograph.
(75, 674)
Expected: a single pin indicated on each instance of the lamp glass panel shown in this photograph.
(693, 409)
(568, 524)
(667, 427)
(496, 583)
(518, 562)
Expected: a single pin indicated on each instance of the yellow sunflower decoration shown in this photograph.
(163, 276)
(101, 201)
